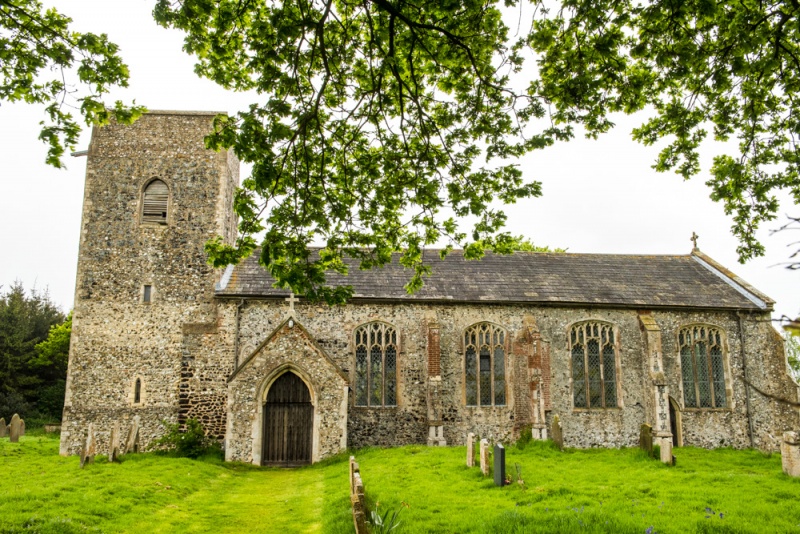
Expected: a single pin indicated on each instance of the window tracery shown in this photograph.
(376, 365)
(702, 367)
(484, 365)
(594, 365)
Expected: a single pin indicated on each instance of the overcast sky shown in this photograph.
(599, 196)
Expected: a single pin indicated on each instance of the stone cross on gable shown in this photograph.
(694, 239)
(291, 300)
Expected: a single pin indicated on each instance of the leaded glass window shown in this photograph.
(376, 365)
(702, 367)
(485, 365)
(593, 353)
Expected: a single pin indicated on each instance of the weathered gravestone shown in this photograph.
(470, 450)
(3, 427)
(646, 439)
(22, 427)
(132, 443)
(790, 454)
(499, 465)
(555, 432)
(14, 428)
(88, 449)
(485, 457)
(113, 447)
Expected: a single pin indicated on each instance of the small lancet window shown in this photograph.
(154, 203)
(594, 365)
(484, 365)
(376, 365)
(702, 367)
(137, 391)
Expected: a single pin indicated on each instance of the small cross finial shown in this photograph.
(291, 300)
(694, 239)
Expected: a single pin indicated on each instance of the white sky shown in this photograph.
(599, 196)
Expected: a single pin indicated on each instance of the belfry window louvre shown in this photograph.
(155, 203)
(702, 367)
(485, 365)
(594, 365)
(376, 365)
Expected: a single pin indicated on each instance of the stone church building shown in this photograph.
(604, 342)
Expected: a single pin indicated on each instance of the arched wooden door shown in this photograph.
(288, 422)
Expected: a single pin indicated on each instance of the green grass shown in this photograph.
(572, 491)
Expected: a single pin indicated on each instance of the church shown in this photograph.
(494, 347)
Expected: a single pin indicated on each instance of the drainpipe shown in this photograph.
(746, 381)
(236, 338)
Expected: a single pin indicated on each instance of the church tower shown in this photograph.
(153, 196)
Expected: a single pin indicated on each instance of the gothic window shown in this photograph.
(593, 353)
(376, 365)
(155, 200)
(485, 365)
(702, 367)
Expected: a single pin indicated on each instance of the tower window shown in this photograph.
(155, 202)
(147, 294)
(137, 391)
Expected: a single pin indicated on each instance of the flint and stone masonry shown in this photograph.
(159, 335)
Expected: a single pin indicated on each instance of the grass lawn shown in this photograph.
(573, 491)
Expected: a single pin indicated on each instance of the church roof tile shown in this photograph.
(691, 281)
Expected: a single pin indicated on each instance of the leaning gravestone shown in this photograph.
(470, 450)
(646, 439)
(3, 427)
(499, 465)
(557, 435)
(14, 429)
(132, 443)
(88, 450)
(485, 457)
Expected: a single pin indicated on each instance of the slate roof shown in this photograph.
(691, 281)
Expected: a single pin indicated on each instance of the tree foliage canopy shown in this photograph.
(374, 117)
(34, 347)
(43, 62)
(729, 67)
(380, 118)
(383, 124)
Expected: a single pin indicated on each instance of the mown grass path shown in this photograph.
(43, 492)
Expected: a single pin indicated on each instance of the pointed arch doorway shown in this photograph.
(288, 422)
